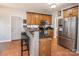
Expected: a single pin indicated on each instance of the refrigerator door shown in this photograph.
(72, 33)
(68, 28)
(73, 28)
(65, 27)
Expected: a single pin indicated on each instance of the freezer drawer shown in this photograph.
(67, 43)
(61, 41)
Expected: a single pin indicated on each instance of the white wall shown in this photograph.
(4, 27)
(54, 18)
(5, 21)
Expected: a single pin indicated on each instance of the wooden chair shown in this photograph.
(24, 43)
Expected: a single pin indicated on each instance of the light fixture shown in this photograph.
(53, 5)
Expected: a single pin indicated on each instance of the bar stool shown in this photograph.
(24, 43)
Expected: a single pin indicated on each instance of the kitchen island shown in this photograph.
(38, 46)
(33, 42)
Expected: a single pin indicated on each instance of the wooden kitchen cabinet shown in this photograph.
(66, 14)
(44, 17)
(28, 20)
(75, 11)
(49, 19)
(70, 12)
(40, 18)
(45, 47)
(36, 18)
(33, 19)
(50, 33)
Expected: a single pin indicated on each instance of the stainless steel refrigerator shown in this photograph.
(67, 32)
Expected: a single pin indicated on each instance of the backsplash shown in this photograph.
(32, 26)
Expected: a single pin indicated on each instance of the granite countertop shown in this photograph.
(31, 31)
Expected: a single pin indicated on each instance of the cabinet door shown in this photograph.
(33, 19)
(45, 17)
(75, 11)
(45, 47)
(37, 19)
(49, 19)
(50, 33)
(65, 13)
(40, 18)
(42, 47)
(28, 18)
(48, 47)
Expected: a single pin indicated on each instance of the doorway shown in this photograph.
(16, 27)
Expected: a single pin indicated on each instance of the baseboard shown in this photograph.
(5, 41)
(16, 39)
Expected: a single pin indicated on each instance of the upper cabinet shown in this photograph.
(32, 18)
(75, 11)
(41, 18)
(36, 18)
(49, 19)
(70, 12)
(28, 17)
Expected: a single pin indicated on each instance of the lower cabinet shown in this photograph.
(51, 33)
(45, 47)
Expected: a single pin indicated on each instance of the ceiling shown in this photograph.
(36, 7)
